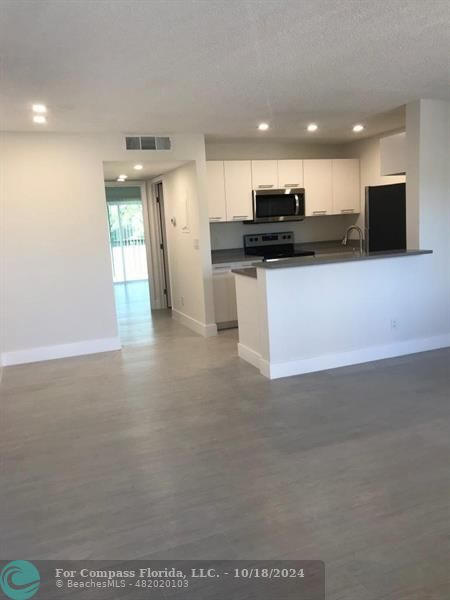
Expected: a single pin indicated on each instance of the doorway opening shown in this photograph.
(129, 259)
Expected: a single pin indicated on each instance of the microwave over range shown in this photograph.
(278, 205)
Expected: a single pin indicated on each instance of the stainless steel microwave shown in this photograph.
(278, 205)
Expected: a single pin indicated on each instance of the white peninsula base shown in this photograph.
(312, 316)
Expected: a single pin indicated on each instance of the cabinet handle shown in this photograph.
(347, 210)
(266, 186)
(215, 218)
(291, 185)
(240, 217)
(319, 212)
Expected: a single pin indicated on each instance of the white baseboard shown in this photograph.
(251, 356)
(30, 355)
(255, 359)
(354, 357)
(204, 329)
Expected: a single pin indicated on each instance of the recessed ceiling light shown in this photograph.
(358, 127)
(123, 176)
(138, 167)
(39, 108)
(263, 126)
(312, 127)
(39, 119)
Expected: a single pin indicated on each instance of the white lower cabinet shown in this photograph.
(224, 291)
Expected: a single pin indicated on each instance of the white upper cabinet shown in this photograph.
(264, 174)
(238, 190)
(332, 186)
(318, 184)
(215, 175)
(346, 186)
(290, 173)
(393, 154)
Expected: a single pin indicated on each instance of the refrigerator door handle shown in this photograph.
(366, 220)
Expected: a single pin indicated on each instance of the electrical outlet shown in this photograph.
(394, 324)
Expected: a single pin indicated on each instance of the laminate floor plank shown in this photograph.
(175, 448)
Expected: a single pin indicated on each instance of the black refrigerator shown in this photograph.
(385, 217)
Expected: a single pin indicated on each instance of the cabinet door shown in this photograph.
(290, 173)
(264, 174)
(238, 190)
(318, 187)
(346, 187)
(393, 154)
(224, 289)
(216, 191)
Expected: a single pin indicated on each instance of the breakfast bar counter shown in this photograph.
(342, 309)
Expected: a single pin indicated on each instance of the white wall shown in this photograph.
(428, 121)
(428, 166)
(235, 149)
(57, 269)
(181, 204)
(368, 152)
(56, 293)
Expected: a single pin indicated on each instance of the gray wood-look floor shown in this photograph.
(133, 311)
(177, 449)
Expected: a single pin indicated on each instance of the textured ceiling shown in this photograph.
(220, 66)
(113, 169)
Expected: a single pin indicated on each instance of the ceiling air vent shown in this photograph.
(162, 143)
(133, 143)
(147, 142)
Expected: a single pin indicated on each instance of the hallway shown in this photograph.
(134, 315)
(178, 449)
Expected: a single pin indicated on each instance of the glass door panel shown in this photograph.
(127, 240)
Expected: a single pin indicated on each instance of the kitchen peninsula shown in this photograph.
(300, 315)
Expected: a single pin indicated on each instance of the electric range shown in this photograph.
(273, 246)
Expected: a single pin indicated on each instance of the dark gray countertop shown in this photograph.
(231, 255)
(327, 258)
(246, 271)
(337, 257)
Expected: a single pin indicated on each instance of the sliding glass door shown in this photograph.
(126, 231)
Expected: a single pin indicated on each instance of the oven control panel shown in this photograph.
(268, 239)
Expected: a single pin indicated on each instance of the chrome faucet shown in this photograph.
(361, 236)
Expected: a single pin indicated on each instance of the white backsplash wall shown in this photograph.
(312, 229)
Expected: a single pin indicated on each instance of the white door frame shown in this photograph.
(161, 299)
